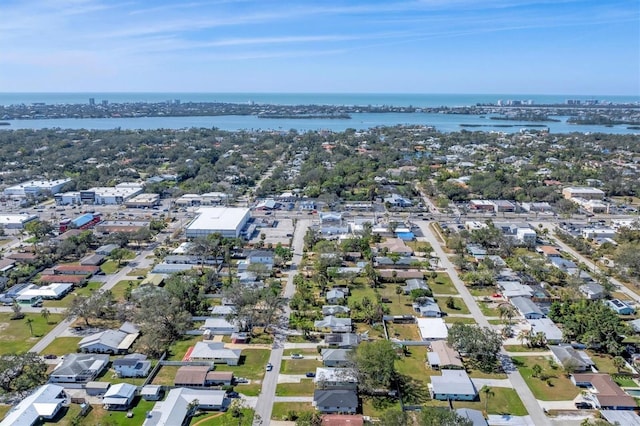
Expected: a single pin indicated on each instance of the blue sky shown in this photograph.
(390, 46)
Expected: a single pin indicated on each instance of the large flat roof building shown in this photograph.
(227, 221)
(35, 187)
(16, 221)
(585, 192)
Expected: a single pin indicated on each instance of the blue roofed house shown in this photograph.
(527, 308)
(415, 284)
(427, 307)
(620, 307)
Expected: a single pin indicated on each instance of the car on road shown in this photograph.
(50, 356)
(310, 374)
(296, 356)
(269, 367)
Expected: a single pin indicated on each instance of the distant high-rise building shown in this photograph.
(92, 101)
(105, 102)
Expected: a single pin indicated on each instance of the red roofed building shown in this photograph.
(71, 279)
(86, 270)
(342, 420)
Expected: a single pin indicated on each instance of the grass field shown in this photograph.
(15, 336)
(62, 346)
(459, 306)
(557, 388)
(499, 401)
(404, 331)
(65, 302)
(304, 388)
(442, 284)
(281, 409)
(414, 364)
(223, 419)
(98, 415)
(180, 347)
(120, 288)
(252, 364)
(461, 320)
(165, 375)
(299, 366)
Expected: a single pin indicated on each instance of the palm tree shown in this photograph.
(524, 335)
(506, 311)
(399, 291)
(29, 322)
(487, 393)
(45, 313)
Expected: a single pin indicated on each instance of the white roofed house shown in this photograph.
(119, 397)
(110, 341)
(335, 325)
(427, 307)
(453, 385)
(44, 403)
(216, 352)
(546, 326)
(181, 403)
(335, 296)
(220, 326)
(335, 309)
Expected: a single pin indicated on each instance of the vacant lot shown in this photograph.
(556, 387)
(15, 335)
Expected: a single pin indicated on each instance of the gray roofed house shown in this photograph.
(551, 331)
(216, 352)
(475, 416)
(335, 309)
(79, 368)
(427, 307)
(108, 341)
(336, 325)
(415, 284)
(334, 296)
(444, 356)
(335, 357)
(343, 340)
(453, 385)
(106, 249)
(566, 354)
(134, 365)
(527, 308)
(592, 291)
(222, 311)
(119, 397)
(335, 400)
(42, 403)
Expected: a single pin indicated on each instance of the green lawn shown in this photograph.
(482, 291)
(252, 364)
(604, 362)
(222, 419)
(138, 272)
(62, 346)
(459, 306)
(15, 336)
(288, 352)
(399, 305)
(249, 389)
(520, 348)
(624, 381)
(120, 288)
(442, 284)
(109, 267)
(489, 309)
(281, 409)
(4, 408)
(357, 294)
(165, 376)
(404, 331)
(500, 401)
(461, 320)
(299, 366)
(414, 365)
(370, 408)
(65, 302)
(180, 347)
(304, 388)
(558, 388)
(98, 415)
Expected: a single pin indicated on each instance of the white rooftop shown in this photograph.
(432, 328)
(219, 218)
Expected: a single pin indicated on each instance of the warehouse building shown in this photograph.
(227, 221)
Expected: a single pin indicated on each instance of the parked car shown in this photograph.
(296, 356)
(269, 367)
(242, 380)
(583, 405)
(233, 394)
(50, 356)
(310, 374)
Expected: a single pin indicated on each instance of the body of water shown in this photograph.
(361, 121)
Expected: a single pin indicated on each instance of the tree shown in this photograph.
(29, 322)
(619, 363)
(450, 303)
(45, 313)
(394, 417)
(536, 370)
(186, 288)
(17, 311)
(433, 416)
(399, 291)
(20, 373)
(506, 311)
(309, 418)
(374, 364)
(118, 254)
(486, 390)
(480, 344)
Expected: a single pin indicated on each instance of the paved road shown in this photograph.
(517, 382)
(264, 405)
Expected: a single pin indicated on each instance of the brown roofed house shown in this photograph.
(608, 395)
(192, 376)
(342, 420)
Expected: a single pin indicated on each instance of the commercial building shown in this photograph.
(143, 201)
(227, 221)
(16, 221)
(585, 192)
(34, 188)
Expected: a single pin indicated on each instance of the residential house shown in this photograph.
(592, 291)
(443, 356)
(567, 355)
(548, 251)
(191, 376)
(415, 284)
(477, 252)
(474, 416)
(427, 307)
(453, 385)
(620, 307)
(342, 420)
(432, 328)
(343, 340)
(553, 335)
(96, 388)
(151, 393)
(335, 378)
(527, 308)
(222, 311)
(106, 249)
(334, 324)
(335, 309)
(79, 368)
(219, 378)
(335, 296)
(335, 401)
(109, 341)
(119, 397)
(396, 200)
(133, 365)
(335, 357)
(44, 403)
(215, 352)
(180, 404)
(219, 326)
(603, 392)
(263, 257)
(511, 289)
(396, 246)
(400, 274)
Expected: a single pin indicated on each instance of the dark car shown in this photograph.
(583, 405)
(310, 374)
(233, 394)
(50, 356)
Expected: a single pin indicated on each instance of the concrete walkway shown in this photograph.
(557, 405)
(293, 399)
(291, 378)
(531, 404)
(492, 383)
